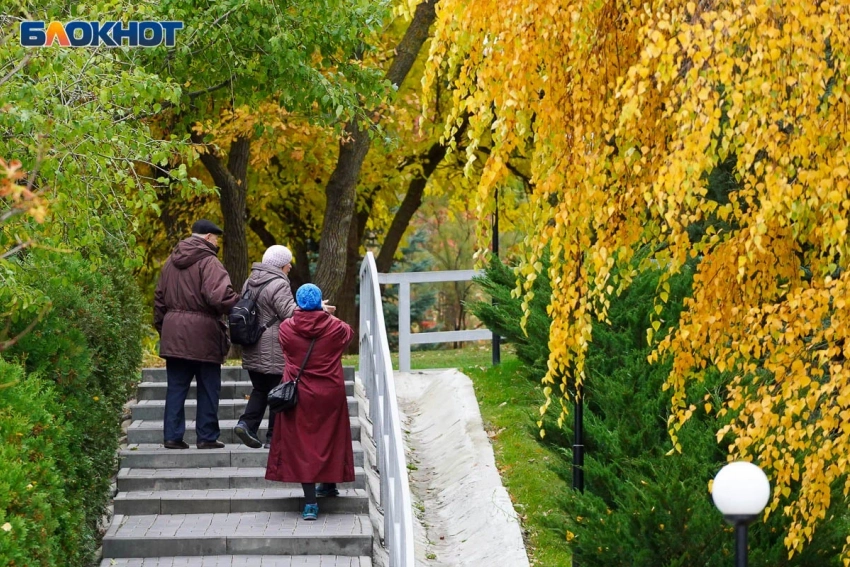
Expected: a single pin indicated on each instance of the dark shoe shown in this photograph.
(176, 444)
(326, 490)
(210, 445)
(244, 434)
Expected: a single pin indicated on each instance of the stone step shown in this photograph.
(151, 431)
(242, 561)
(203, 478)
(155, 456)
(228, 373)
(254, 533)
(228, 500)
(227, 409)
(230, 390)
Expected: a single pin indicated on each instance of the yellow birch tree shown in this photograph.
(628, 109)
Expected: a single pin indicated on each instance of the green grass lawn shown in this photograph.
(472, 354)
(509, 406)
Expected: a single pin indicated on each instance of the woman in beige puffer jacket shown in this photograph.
(264, 359)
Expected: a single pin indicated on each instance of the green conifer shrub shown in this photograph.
(642, 507)
(503, 314)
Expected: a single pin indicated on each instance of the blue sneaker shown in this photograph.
(326, 490)
(311, 512)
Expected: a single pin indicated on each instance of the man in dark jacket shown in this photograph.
(192, 294)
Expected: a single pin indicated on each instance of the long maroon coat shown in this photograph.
(312, 442)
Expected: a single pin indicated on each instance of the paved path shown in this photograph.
(214, 508)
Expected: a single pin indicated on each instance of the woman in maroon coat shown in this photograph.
(312, 442)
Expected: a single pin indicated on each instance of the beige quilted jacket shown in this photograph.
(276, 304)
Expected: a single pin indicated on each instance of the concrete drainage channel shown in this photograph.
(463, 516)
(196, 508)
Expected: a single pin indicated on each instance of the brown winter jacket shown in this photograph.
(275, 304)
(192, 294)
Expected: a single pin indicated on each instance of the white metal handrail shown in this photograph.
(407, 338)
(376, 372)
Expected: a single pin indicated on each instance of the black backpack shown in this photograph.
(244, 319)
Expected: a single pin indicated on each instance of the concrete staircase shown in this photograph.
(214, 508)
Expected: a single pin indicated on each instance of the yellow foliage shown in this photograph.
(626, 108)
(16, 195)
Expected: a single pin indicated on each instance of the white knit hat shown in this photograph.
(277, 256)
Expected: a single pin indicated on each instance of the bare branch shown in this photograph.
(11, 342)
(221, 85)
(9, 214)
(17, 68)
(16, 249)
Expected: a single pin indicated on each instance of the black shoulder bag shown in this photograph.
(284, 396)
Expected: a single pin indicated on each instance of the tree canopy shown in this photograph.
(71, 175)
(662, 132)
(65, 119)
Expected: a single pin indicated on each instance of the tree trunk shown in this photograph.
(347, 308)
(232, 182)
(339, 209)
(412, 201)
(234, 210)
(341, 188)
(300, 273)
(401, 220)
(262, 232)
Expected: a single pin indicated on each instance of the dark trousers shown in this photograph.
(208, 377)
(309, 492)
(258, 401)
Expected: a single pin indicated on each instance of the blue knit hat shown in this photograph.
(309, 297)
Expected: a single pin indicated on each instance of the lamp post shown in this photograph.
(740, 491)
(496, 344)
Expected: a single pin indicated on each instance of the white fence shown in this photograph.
(376, 372)
(405, 337)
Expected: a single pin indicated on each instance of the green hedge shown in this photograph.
(36, 514)
(503, 313)
(641, 507)
(60, 421)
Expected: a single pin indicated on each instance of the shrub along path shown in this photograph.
(214, 507)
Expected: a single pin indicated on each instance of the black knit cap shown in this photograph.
(204, 226)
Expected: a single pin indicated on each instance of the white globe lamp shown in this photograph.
(740, 491)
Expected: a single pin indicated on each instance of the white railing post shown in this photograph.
(406, 339)
(376, 372)
(404, 326)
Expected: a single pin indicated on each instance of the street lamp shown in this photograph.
(740, 491)
(497, 348)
